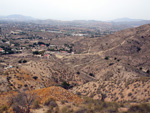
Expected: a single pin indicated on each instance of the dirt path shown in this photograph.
(97, 53)
(100, 53)
(84, 63)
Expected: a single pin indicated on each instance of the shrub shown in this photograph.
(53, 107)
(78, 72)
(138, 49)
(141, 68)
(36, 53)
(36, 104)
(24, 61)
(111, 64)
(78, 93)
(50, 102)
(65, 85)
(129, 94)
(143, 108)
(20, 61)
(39, 43)
(148, 71)
(3, 108)
(25, 85)
(97, 106)
(64, 110)
(35, 77)
(118, 60)
(17, 109)
(67, 109)
(115, 58)
(63, 102)
(103, 97)
(82, 110)
(53, 110)
(91, 74)
(106, 58)
(22, 101)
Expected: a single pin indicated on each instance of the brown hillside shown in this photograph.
(134, 90)
(57, 93)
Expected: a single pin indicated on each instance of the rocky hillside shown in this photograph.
(111, 68)
(43, 96)
(114, 61)
(40, 73)
(116, 40)
(125, 50)
(136, 90)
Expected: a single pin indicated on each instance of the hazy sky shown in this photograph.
(77, 9)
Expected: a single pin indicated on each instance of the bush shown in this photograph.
(36, 53)
(53, 107)
(20, 61)
(36, 104)
(63, 102)
(78, 72)
(143, 108)
(22, 101)
(106, 58)
(111, 64)
(65, 85)
(3, 108)
(35, 77)
(148, 71)
(17, 109)
(24, 61)
(41, 43)
(91, 74)
(129, 94)
(94, 106)
(138, 49)
(50, 102)
(78, 93)
(82, 110)
(53, 110)
(67, 109)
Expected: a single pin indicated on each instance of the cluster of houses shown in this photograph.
(79, 34)
(47, 53)
(15, 32)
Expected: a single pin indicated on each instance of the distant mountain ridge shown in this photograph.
(121, 23)
(127, 20)
(16, 17)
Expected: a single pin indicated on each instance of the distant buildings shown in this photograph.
(79, 34)
(16, 32)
